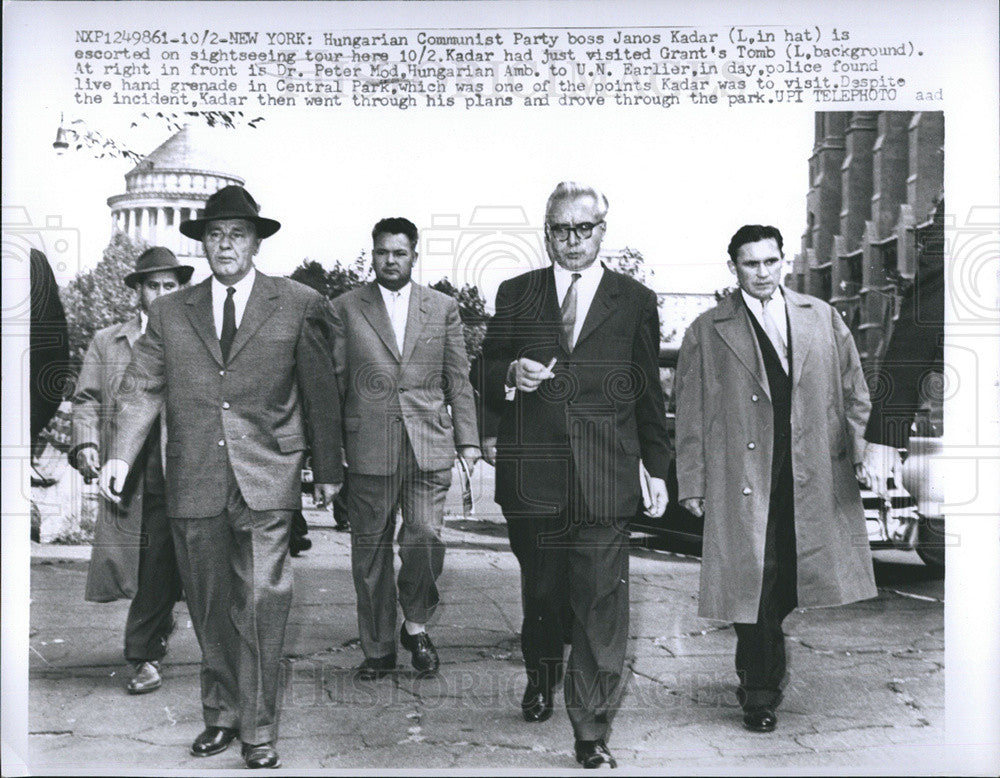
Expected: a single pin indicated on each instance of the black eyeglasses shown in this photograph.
(582, 231)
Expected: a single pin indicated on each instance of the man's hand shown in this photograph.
(695, 505)
(877, 466)
(528, 374)
(325, 494)
(471, 455)
(112, 480)
(654, 497)
(88, 463)
(489, 448)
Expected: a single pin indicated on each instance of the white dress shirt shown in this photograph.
(397, 305)
(775, 308)
(240, 297)
(586, 288)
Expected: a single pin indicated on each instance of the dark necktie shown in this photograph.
(567, 312)
(228, 323)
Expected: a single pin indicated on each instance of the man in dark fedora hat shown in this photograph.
(242, 364)
(133, 555)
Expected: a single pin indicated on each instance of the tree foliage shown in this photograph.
(98, 297)
(335, 281)
(472, 309)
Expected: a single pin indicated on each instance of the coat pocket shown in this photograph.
(289, 443)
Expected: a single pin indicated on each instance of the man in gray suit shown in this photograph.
(242, 364)
(401, 364)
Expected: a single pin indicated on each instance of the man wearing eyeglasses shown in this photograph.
(570, 369)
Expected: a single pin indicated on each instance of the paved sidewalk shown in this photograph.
(867, 687)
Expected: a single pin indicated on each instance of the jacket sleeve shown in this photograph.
(650, 408)
(498, 352)
(455, 373)
(317, 382)
(87, 400)
(689, 391)
(139, 398)
(857, 405)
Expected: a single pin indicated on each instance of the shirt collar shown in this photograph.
(754, 304)
(403, 292)
(143, 321)
(242, 287)
(595, 270)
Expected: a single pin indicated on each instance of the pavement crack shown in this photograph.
(897, 688)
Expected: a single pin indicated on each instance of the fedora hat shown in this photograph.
(155, 259)
(230, 202)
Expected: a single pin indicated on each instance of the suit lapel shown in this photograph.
(734, 328)
(199, 311)
(373, 309)
(263, 301)
(604, 302)
(802, 324)
(416, 315)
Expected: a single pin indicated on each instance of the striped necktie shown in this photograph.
(567, 312)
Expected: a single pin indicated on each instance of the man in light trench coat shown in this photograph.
(771, 412)
(133, 554)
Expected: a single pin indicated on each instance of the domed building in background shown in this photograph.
(169, 186)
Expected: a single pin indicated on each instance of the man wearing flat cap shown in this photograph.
(241, 362)
(133, 555)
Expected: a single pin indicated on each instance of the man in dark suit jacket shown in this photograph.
(570, 367)
(401, 365)
(242, 363)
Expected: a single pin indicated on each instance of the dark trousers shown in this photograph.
(574, 585)
(371, 508)
(760, 647)
(151, 614)
(238, 584)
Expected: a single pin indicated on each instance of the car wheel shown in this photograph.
(930, 541)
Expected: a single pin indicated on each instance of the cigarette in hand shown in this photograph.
(549, 367)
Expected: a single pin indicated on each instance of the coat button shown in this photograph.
(751, 445)
(754, 398)
(747, 490)
(222, 372)
(222, 442)
(225, 406)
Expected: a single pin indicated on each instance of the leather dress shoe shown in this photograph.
(145, 679)
(375, 667)
(214, 740)
(260, 755)
(594, 754)
(760, 720)
(422, 652)
(536, 704)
